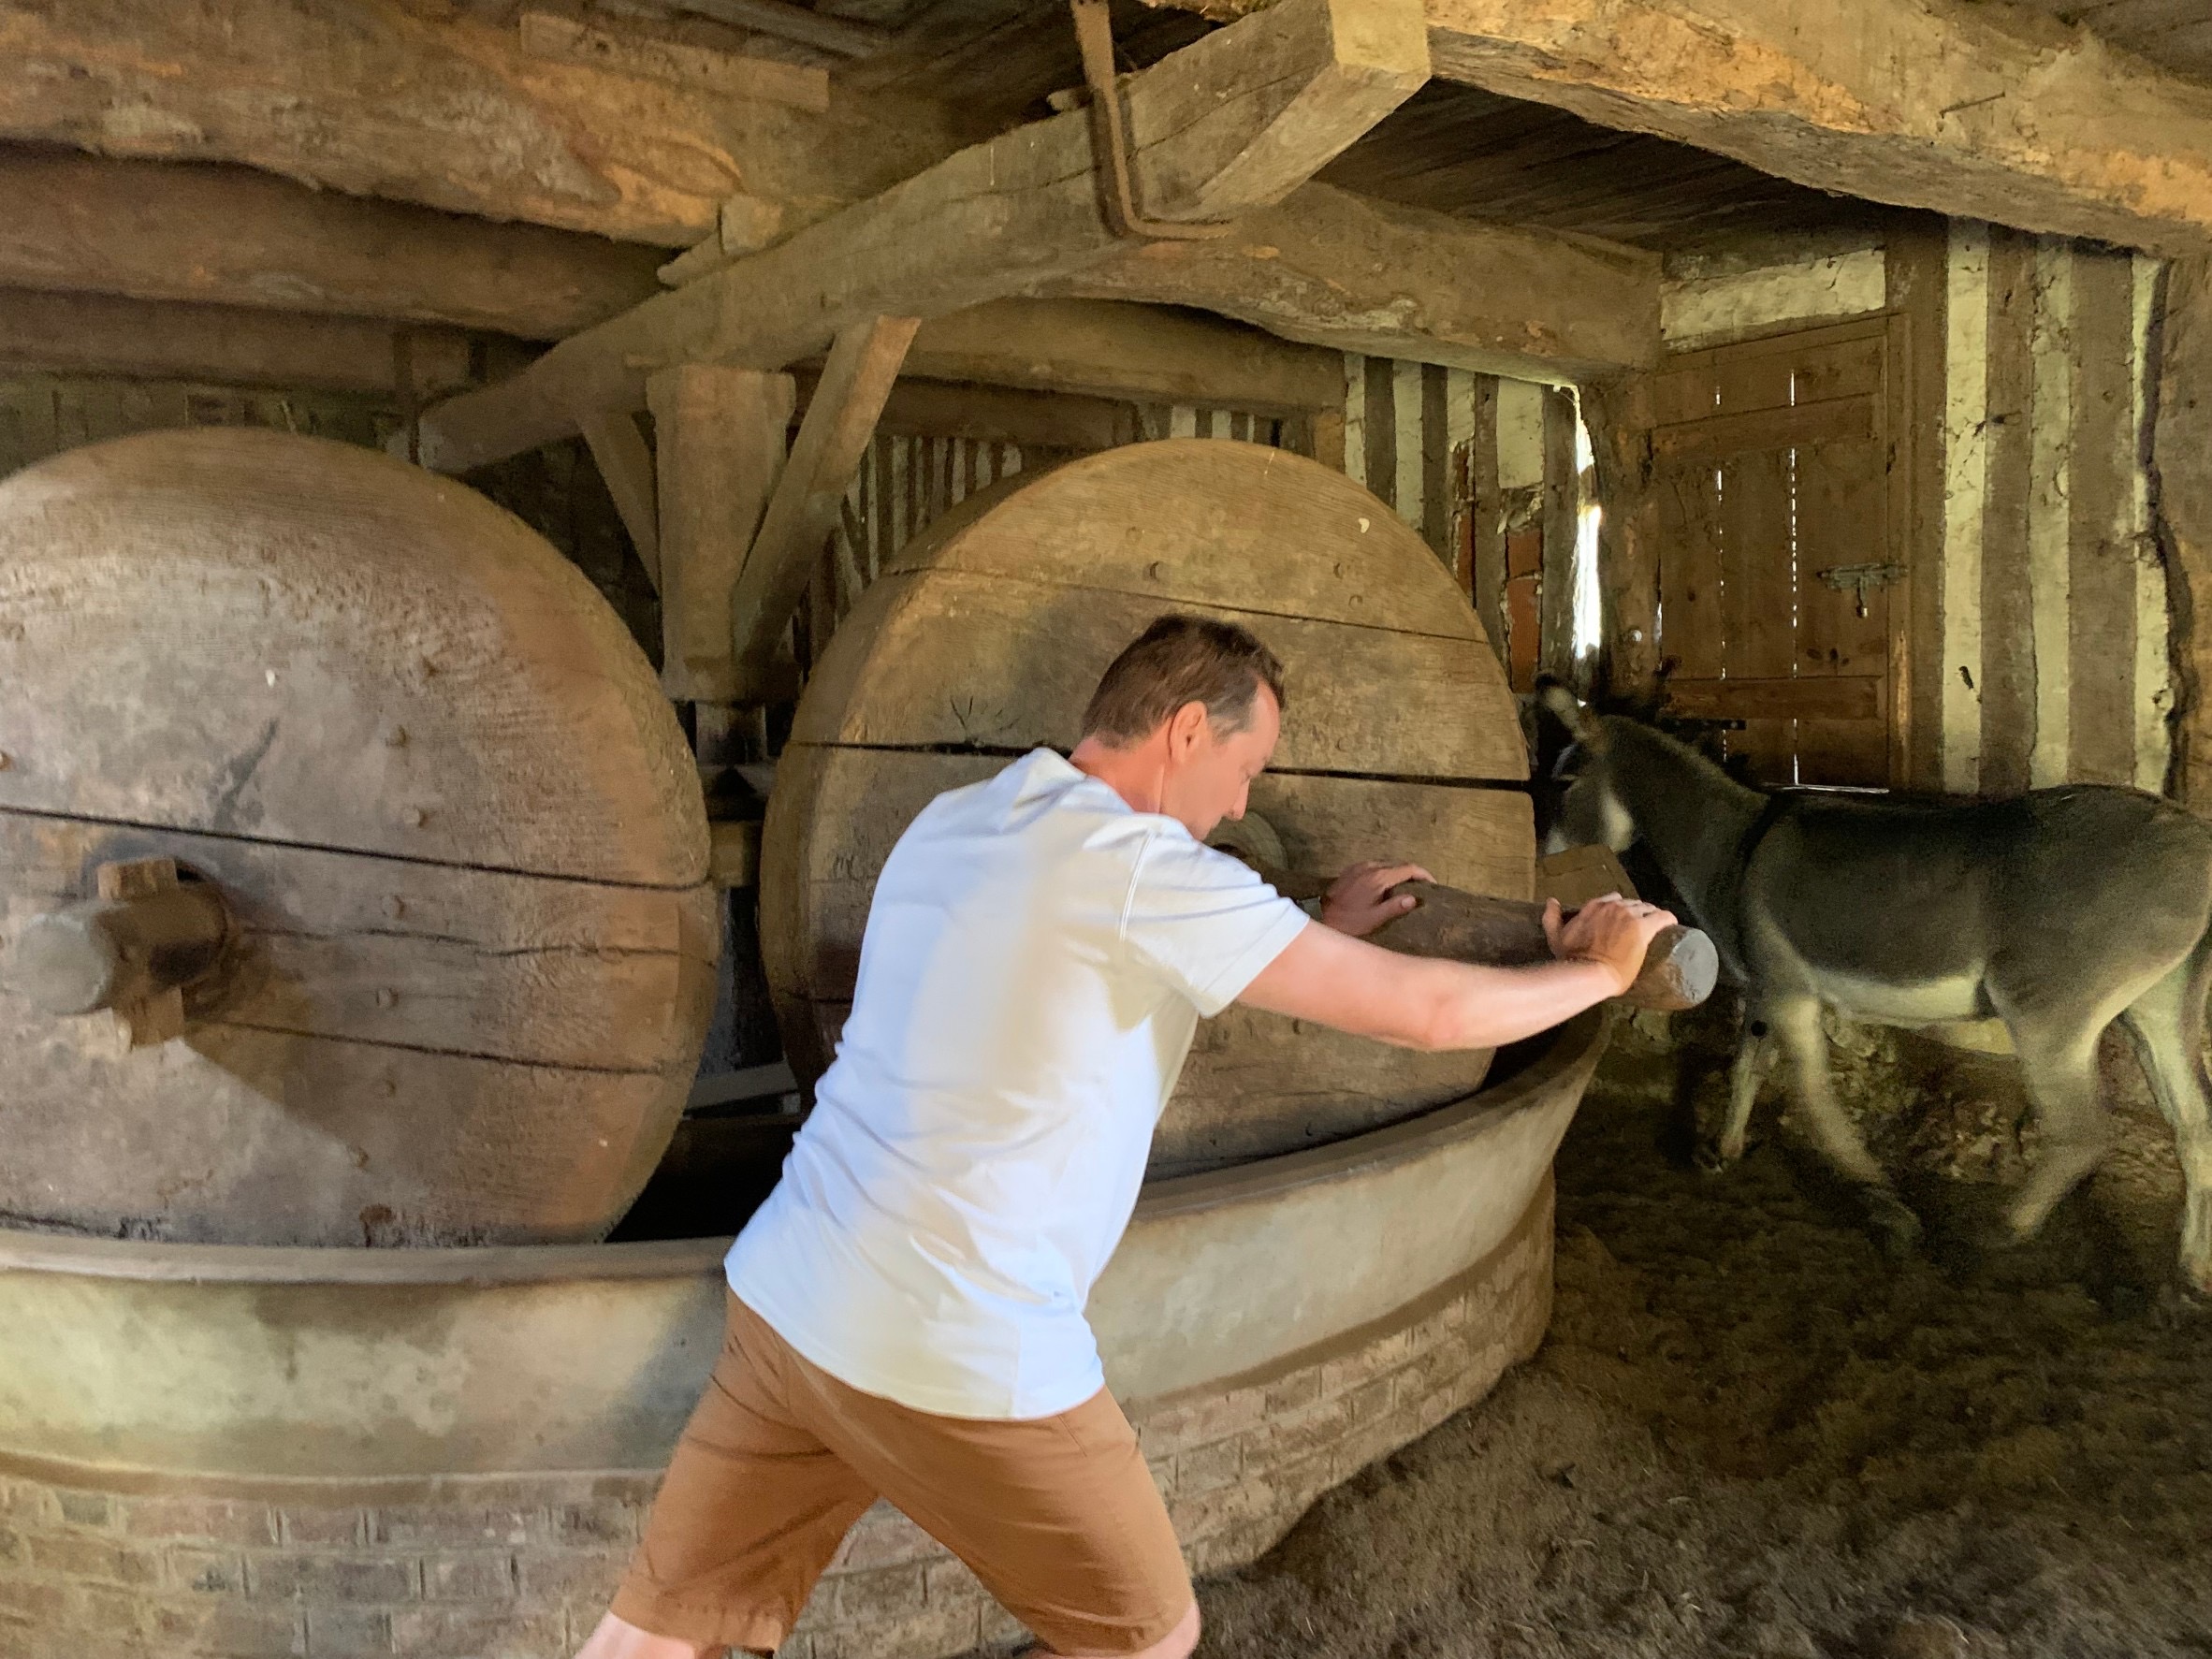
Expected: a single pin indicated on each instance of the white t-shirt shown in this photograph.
(1036, 960)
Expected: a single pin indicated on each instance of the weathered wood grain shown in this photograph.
(721, 437)
(228, 345)
(392, 953)
(952, 658)
(232, 236)
(625, 463)
(1975, 112)
(2008, 627)
(1190, 521)
(2181, 455)
(802, 509)
(1234, 121)
(1106, 349)
(2101, 586)
(380, 98)
(1353, 273)
(346, 652)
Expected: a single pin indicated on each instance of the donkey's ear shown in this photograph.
(1569, 711)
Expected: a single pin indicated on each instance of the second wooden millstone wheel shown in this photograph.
(467, 948)
(984, 638)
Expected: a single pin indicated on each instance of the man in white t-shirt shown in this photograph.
(907, 1308)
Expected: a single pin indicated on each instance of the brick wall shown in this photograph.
(522, 1568)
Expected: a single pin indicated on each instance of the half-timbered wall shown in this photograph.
(2039, 650)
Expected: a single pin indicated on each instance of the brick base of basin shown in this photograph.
(490, 1568)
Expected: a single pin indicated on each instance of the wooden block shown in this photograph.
(721, 437)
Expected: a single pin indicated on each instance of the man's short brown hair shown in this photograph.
(1181, 660)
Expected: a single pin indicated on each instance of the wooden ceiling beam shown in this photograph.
(1230, 123)
(384, 99)
(1350, 273)
(1978, 111)
(1134, 353)
(224, 345)
(231, 236)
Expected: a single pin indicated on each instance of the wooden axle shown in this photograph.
(132, 950)
(1681, 964)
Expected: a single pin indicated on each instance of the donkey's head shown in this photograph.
(1589, 812)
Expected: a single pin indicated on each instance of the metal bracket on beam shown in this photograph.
(1109, 143)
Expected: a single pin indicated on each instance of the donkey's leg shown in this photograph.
(1797, 1022)
(2058, 1064)
(2167, 1023)
(1754, 1054)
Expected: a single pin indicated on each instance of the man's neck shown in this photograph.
(1136, 774)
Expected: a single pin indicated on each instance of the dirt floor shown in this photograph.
(1751, 1434)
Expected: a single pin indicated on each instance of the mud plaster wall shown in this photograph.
(2048, 595)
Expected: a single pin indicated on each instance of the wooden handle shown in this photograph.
(1681, 964)
(132, 950)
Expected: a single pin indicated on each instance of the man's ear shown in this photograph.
(1570, 712)
(1185, 725)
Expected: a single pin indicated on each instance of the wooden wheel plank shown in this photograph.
(1204, 521)
(331, 944)
(456, 825)
(287, 639)
(231, 1136)
(937, 659)
(838, 811)
(1399, 738)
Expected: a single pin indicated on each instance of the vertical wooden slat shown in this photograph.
(1382, 428)
(1405, 445)
(2008, 622)
(1556, 645)
(1330, 438)
(1435, 493)
(1489, 510)
(1354, 417)
(2049, 519)
(1618, 414)
(2154, 690)
(1759, 597)
(720, 436)
(1916, 289)
(2181, 418)
(2101, 566)
(1965, 354)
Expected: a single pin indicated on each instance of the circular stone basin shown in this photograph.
(1271, 1327)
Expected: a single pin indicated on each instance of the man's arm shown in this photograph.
(1420, 1002)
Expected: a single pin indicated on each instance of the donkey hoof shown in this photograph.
(1896, 1228)
(1711, 1159)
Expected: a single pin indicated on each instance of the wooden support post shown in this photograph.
(1488, 505)
(618, 449)
(2181, 513)
(1619, 415)
(722, 434)
(1977, 111)
(855, 380)
(1555, 628)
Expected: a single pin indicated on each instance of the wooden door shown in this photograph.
(1783, 588)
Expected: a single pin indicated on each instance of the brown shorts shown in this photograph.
(1057, 1516)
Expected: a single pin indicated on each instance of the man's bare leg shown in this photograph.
(1177, 1644)
(617, 1638)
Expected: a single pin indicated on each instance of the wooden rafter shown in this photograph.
(1340, 270)
(1974, 110)
(801, 514)
(1230, 123)
(231, 236)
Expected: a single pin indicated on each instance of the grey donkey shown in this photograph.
(2057, 911)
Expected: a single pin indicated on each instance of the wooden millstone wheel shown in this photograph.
(423, 792)
(984, 638)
